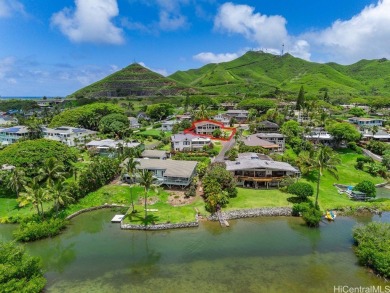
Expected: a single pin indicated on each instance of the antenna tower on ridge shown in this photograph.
(282, 49)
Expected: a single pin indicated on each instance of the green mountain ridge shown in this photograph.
(263, 73)
(254, 73)
(133, 80)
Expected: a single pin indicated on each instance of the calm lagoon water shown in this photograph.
(253, 255)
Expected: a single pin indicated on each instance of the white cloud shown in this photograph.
(209, 57)
(268, 31)
(91, 21)
(365, 35)
(9, 7)
(163, 72)
(6, 66)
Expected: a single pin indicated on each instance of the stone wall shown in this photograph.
(250, 213)
(106, 206)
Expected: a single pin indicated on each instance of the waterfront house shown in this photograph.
(252, 170)
(188, 142)
(170, 172)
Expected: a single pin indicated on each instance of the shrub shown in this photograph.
(300, 189)
(32, 231)
(373, 246)
(312, 216)
(299, 208)
(156, 125)
(367, 187)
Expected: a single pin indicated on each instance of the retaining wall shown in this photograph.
(106, 206)
(250, 213)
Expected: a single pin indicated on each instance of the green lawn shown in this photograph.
(10, 210)
(256, 198)
(115, 194)
(154, 133)
(217, 146)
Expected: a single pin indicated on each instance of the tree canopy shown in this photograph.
(259, 104)
(159, 111)
(19, 272)
(87, 116)
(343, 131)
(32, 154)
(114, 124)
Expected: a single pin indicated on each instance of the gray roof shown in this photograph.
(173, 168)
(237, 112)
(254, 140)
(257, 163)
(188, 136)
(110, 143)
(154, 154)
(269, 135)
(268, 124)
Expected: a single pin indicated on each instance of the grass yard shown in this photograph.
(154, 133)
(10, 210)
(217, 146)
(256, 198)
(118, 194)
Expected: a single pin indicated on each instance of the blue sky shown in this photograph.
(53, 48)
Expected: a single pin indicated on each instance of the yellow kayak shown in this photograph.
(330, 215)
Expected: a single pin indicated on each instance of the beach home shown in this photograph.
(252, 170)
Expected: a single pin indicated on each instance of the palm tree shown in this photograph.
(16, 180)
(202, 112)
(52, 171)
(34, 194)
(130, 168)
(324, 158)
(61, 195)
(146, 180)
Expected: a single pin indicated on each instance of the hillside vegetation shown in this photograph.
(133, 80)
(272, 75)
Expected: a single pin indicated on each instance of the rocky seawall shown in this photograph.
(251, 213)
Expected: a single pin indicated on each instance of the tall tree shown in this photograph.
(61, 195)
(16, 180)
(146, 180)
(34, 129)
(300, 99)
(51, 172)
(130, 168)
(34, 194)
(320, 160)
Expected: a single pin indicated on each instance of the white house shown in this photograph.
(70, 136)
(168, 125)
(187, 142)
(366, 122)
(12, 134)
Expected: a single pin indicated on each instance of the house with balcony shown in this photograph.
(267, 126)
(107, 147)
(206, 127)
(366, 122)
(71, 136)
(12, 134)
(222, 118)
(170, 172)
(252, 170)
(240, 115)
(320, 135)
(168, 125)
(188, 142)
(268, 140)
(255, 141)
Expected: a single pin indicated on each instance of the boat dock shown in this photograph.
(117, 218)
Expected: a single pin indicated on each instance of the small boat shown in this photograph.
(330, 215)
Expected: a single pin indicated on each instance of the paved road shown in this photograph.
(372, 155)
(226, 146)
